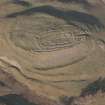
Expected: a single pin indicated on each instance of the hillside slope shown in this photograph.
(50, 49)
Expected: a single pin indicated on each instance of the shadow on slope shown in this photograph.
(13, 99)
(21, 2)
(86, 5)
(85, 2)
(76, 18)
(93, 88)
